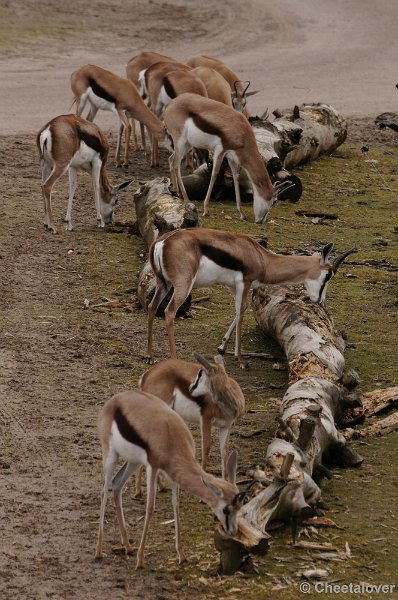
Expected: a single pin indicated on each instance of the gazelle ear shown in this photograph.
(218, 359)
(252, 93)
(201, 359)
(121, 186)
(213, 488)
(325, 253)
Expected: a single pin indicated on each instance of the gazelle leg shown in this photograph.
(205, 427)
(177, 527)
(95, 176)
(92, 113)
(160, 294)
(221, 348)
(180, 294)
(118, 483)
(173, 176)
(179, 152)
(119, 144)
(72, 190)
(127, 132)
(235, 174)
(224, 449)
(143, 137)
(151, 475)
(138, 482)
(109, 465)
(217, 161)
(134, 132)
(154, 152)
(47, 186)
(240, 305)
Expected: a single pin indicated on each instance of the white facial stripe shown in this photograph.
(261, 206)
(316, 288)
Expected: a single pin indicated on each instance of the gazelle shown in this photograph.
(216, 86)
(163, 82)
(69, 143)
(238, 88)
(143, 430)
(107, 91)
(194, 121)
(200, 393)
(137, 65)
(189, 258)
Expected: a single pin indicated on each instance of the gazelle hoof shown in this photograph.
(221, 350)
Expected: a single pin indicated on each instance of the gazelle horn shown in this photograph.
(339, 259)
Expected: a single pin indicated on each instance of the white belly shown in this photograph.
(209, 273)
(185, 407)
(198, 138)
(125, 449)
(99, 102)
(83, 158)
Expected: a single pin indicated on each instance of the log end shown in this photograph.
(234, 550)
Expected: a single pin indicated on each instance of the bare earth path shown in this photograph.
(59, 362)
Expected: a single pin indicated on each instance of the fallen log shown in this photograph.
(323, 130)
(158, 211)
(304, 330)
(380, 427)
(387, 119)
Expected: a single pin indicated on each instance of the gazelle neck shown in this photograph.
(189, 476)
(285, 269)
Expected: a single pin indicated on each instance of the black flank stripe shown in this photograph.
(170, 91)
(222, 258)
(92, 142)
(99, 91)
(128, 432)
(204, 125)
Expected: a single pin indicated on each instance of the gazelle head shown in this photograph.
(322, 272)
(261, 207)
(228, 500)
(239, 99)
(110, 199)
(213, 381)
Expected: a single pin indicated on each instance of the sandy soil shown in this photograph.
(61, 362)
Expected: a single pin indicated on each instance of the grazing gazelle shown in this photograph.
(106, 91)
(200, 257)
(238, 88)
(162, 82)
(135, 66)
(194, 121)
(200, 393)
(69, 143)
(143, 430)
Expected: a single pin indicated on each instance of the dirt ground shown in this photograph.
(60, 362)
